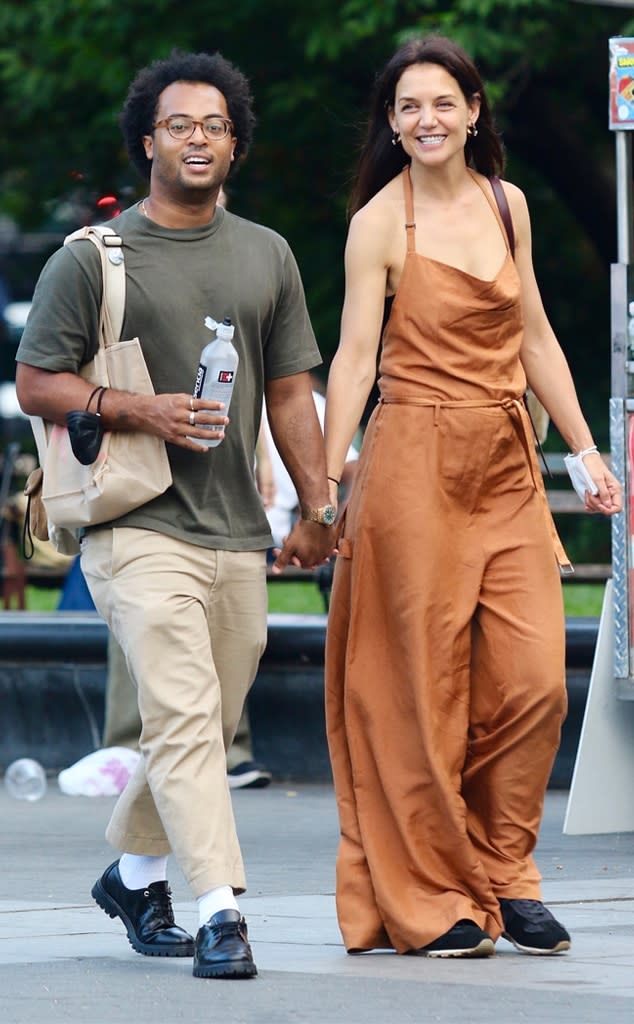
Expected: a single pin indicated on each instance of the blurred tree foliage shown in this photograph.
(65, 67)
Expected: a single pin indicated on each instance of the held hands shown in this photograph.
(307, 546)
(176, 418)
(608, 500)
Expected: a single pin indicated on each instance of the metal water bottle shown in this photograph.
(216, 371)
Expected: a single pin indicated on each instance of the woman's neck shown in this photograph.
(446, 182)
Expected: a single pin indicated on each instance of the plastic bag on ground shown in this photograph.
(103, 773)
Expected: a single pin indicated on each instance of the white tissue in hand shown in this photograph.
(102, 773)
(581, 479)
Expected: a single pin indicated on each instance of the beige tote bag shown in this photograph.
(132, 467)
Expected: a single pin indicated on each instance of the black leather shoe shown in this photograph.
(146, 913)
(222, 948)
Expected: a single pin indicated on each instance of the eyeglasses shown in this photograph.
(181, 127)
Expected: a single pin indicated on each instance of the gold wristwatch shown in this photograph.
(325, 515)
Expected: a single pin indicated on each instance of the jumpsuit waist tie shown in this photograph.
(517, 410)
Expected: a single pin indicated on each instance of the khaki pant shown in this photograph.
(192, 625)
(122, 724)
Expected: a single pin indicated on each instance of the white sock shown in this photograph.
(211, 902)
(137, 872)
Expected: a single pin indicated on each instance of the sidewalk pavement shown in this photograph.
(63, 959)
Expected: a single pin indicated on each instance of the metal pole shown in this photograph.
(624, 196)
(620, 297)
(621, 116)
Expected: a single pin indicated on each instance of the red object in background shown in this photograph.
(108, 206)
(626, 87)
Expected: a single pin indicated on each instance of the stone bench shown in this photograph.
(53, 676)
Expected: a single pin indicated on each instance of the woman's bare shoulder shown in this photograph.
(512, 192)
(516, 198)
(517, 204)
(382, 212)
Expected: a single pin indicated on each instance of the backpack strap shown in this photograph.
(113, 275)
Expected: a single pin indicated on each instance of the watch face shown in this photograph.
(329, 515)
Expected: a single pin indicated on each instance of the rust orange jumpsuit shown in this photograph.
(445, 679)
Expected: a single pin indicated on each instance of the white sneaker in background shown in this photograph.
(249, 775)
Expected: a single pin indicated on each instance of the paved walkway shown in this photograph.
(62, 959)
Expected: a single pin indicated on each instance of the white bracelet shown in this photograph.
(587, 451)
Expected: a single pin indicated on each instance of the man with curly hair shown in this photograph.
(181, 581)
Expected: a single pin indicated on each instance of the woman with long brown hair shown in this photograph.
(445, 680)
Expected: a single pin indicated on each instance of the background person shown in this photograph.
(122, 721)
(182, 582)
(445, 677)
(283, 509)
(122, 726)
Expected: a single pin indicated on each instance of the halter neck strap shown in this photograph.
(501, 212)
(410, 223)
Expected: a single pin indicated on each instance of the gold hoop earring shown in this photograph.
(396, 138)
(472, 130)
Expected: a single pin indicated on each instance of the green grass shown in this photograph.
(41, 599)
(296, 598)
(583, 599)
(580, 599)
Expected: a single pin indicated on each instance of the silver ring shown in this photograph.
(191, 404)
(192, 419)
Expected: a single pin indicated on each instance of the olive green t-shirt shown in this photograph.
(174, 279)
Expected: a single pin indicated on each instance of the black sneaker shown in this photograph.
(248, 775)
(464, 939)
(532, 928)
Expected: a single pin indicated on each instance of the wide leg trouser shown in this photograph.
(192, 624)
(445, 681)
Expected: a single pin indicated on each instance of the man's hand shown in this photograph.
(307, 546)
(177, 418)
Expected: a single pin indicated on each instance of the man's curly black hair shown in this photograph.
(139, 109)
